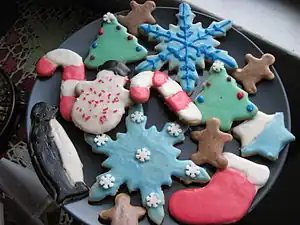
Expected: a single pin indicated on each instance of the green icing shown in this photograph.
(219, 99)
(114, 43)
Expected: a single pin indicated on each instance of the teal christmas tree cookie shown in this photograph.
(186, 46)
(223, 99)
(114, 43)
(144, 159)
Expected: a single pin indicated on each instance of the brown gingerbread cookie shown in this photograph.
(123, 213)
(256, 70)
(139, 14)
(210, 144)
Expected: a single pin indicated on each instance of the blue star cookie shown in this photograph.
(144, 159)
(271, 141)
(186, 46)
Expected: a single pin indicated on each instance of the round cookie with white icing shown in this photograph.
(101, 103)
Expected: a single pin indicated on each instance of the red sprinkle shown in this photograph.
(90, 110)
(95, 105)
(118, 94)
(91, 89)
(110, 79)
(92, 57)
(99, 95)
(118, 27)
(77, 108)
(101, 81)
(240, 95)
(103, 91)
(129, 37)
(115, 111)
(208, 84)
(100, 31)
(84, 99)
(87, 118)
(228, 78)
(95, 92)
(90, 102)
(81, 90)
(105, 109)
(83, 115)
(109, 96)
(80, 110)
(101, 100)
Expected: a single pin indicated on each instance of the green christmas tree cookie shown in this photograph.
(114, 43)
(223, 99)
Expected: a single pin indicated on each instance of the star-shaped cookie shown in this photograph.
(271, 139)
(257, 69)
(210, 144)
(139, 14)
(123, 213)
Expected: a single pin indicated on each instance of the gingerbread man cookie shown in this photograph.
(256, 70)
(123, 213)
(101, 103)
(211, 142)
(139, 14)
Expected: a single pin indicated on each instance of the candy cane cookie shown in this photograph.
(73, 72)
(177, 100)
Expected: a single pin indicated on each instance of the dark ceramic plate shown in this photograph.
(271, 98)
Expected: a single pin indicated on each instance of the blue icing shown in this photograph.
(147, 176)
(186, 46)
(271, 141)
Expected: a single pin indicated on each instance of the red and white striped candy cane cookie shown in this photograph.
(177, 100)
(73, 72)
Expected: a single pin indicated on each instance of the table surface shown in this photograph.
(275, 21)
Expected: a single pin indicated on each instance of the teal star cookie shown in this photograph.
(271, 141)
(144, 159)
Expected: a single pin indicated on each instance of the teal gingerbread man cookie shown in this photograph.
(223, 99)
(114, 43)
(144, 159)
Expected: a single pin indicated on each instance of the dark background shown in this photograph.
(280, 206)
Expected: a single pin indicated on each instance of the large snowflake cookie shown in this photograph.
(101, 103)
(135, 159)
(186, 46)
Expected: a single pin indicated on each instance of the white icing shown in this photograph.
(143, 154)
(250, 129)
(169, 88)
(153, 200)
(192, 170)
(70, 159)
(190, 113)
(174, 129)
(64, 57)
(68, 87)
(101, 139)
(217, 66)
(108, 17)
(143, 79)
(137, 117)
(107, 181)
(257, 174)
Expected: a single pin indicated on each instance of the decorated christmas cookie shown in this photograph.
(186, 46)
(101, 103)
(223, 99)
(210, 145)
(177, 100)
(114, 43)
(264, 135)
(226, 199)
(144, 159)
(73, 73)
(123, 213)
(139, 14)
(256, 70)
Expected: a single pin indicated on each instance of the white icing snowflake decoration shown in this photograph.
(137, 117)
(143, 154)
(108, 17)
(107, 181)
(217, 66)
(174, 129)
(153, 200)
(101, 139)
(192, 170)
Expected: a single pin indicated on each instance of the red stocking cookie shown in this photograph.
(73, 73)
(226, 199)
(101, 103)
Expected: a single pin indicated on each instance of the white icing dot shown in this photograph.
(192, 170)
(217, 66)
(101, 139)
(174, 129)
(107, 181)
(108, 17)
(153, 200)
(137, 117)
(143, 154)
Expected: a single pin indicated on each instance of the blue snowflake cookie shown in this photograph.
(144, 159)
(186, 46)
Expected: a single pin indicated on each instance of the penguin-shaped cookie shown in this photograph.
(54, 155)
